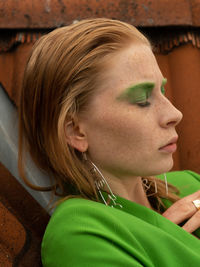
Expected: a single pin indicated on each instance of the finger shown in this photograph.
(182, 209)
(180, 212)
(193, 223)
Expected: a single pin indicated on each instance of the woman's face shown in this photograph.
(129, 120)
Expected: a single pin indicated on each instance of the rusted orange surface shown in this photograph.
(12, 232)
(34, 14)
(12, 65)
(22, 223)
(178, 55)
(27, 208)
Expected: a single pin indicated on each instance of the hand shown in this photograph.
(184, 209)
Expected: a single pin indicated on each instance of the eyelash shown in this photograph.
(147, 103)
(144, 104)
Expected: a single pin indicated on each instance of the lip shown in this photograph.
(171, 146)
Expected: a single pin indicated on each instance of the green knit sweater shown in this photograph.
(90, 234)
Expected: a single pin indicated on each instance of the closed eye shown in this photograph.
(144, 104)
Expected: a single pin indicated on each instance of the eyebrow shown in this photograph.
(137, 92)
(164, 81)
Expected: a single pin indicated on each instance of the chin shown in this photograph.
(163, 167)
(166, 167)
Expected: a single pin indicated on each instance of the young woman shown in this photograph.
(94, 116)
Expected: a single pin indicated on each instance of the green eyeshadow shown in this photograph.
(137, 93)
(162, 86)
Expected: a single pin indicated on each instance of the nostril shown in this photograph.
(172, 123)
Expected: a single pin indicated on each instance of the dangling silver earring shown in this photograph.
(100, 184)
(166, 185)
(84, 155)
(147, 186)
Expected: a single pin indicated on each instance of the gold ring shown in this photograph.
(197, 203)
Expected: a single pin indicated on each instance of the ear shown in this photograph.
(76, 136)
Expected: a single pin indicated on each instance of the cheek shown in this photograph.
(119, 133)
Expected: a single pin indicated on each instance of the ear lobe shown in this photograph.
(75, 136)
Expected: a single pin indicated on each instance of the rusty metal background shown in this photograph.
(47, 14)
(24, 21)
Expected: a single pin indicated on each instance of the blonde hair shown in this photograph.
(61, 75)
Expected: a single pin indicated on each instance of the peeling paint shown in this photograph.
(150, 21)
(47, 6)
(63, 5)
(28, 19)
(146, 8)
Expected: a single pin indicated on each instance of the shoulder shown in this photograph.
(79, 210)
(68, 226)
(74, 214)
(186, 181)
(85, 228)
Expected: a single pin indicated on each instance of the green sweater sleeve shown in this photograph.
(89, 241)
(187, 182)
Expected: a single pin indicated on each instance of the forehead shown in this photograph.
(132, 65)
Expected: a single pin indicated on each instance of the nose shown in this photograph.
(170, 115)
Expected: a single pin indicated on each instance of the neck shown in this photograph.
(130, 188)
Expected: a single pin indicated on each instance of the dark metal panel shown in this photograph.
(47, 14)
